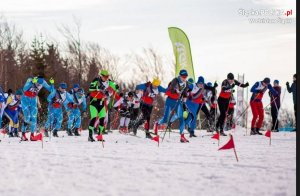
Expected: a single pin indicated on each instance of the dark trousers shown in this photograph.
(146, 114)
(274, 113)
(223, 107)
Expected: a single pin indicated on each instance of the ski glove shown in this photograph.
(51, 81)
(287, 83)
(35, 80)
(247, 84)
(215, 84)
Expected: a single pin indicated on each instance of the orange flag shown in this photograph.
(268, 133)
(229, 145)
(216, 136)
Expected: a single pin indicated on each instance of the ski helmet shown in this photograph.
(156, 82)
(191, 80)
(267, 80)
(276, 81)
(209, 84)
(19, 92)
(63, 85)
(183, 72)
(104, 73)
(76, 85)
(230, 76)
(200, 80)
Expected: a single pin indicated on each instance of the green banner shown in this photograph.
(182, 51)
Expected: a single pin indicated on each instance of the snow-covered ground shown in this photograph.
(130, 165)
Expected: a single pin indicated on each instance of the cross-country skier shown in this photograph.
(176, 102)
(258, 90)
(225, 97)
(196, 102)
(74, 111)
(293, 89)
(213, 103)
(12, 110)
(2, 104)
(100, 90)
(275, 105)
(29, 101)
(125, 107)
(148, 92)
(56, 100)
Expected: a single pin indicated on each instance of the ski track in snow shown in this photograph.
(137, 166)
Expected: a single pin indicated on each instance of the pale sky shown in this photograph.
(221, 40)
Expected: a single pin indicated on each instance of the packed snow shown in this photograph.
(129, 165)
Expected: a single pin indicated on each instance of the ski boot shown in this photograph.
(76, 133)
(253, 131)
(148, 135)
(90, 138)
(183, 139)
(16, 134)
(55, 133)
(257, 131)
(222, 133)
(24, 138)
(69, 132)
(10, 134)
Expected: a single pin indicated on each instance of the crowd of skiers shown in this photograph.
(185, 99)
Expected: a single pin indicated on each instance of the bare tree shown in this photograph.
(74, 43)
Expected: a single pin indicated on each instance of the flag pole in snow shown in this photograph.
(229, 145)
(247, 111)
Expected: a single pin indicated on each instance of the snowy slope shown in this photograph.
(136, 166)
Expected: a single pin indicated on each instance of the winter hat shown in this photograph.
(267, 80)
(230, 76)
(76, 85)
(104, 73)
(19, 92)
(200, 80)
(191, 80)
(276, 81)
(183, 72)
(156, 82)
(209, 84)
(63, 85)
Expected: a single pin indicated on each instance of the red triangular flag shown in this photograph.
(216, 136)
(229, 145)
(38, 137)
(268, 133)
(3, 131)
(156, 138)
(99, 137)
